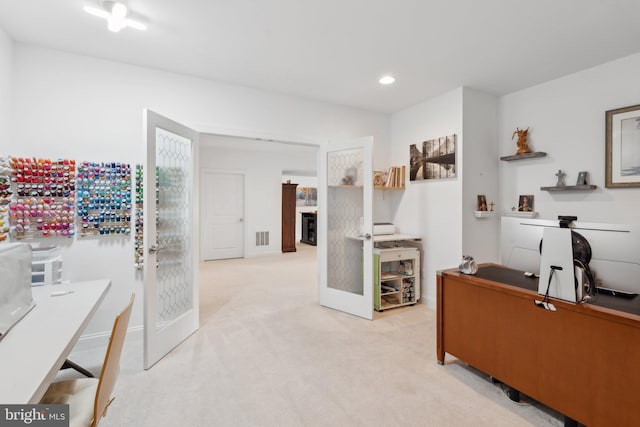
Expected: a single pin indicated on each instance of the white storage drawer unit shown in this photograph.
(46, 266)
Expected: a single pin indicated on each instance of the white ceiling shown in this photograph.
(335, 50)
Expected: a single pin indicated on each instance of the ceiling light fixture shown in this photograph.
(387, 80)
(116, 15)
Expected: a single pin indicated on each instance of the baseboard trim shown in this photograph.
(101, 339)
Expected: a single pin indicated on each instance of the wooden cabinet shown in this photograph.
(396, 277)
(309, 228)
(581, 359)
(289, 217)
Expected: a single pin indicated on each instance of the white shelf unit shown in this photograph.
(396, 277)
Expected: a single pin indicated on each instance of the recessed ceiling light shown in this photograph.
(387, 80)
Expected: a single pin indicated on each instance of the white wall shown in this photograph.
(68, 105)
(6, 73)
(480, 174)
(567, 121)
(431, 209)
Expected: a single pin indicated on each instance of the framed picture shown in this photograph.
(623, 147)
(306, 196)
(433, 159)
(482, 203)
(525, 203)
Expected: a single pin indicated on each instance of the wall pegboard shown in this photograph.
(104, 199)
(43, 197)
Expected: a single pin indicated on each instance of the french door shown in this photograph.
(345, 226)
(170, 236)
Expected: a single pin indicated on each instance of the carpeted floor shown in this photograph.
(267, 354)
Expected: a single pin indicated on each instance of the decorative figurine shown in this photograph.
(468, 265)
(523, 146)
(560, 176)
(491, 205)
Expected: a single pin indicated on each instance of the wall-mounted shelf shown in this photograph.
(519, 214)
(483, 214)
(523, 156)
(570, 188)
(382, 187)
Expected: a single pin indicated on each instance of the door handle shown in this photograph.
(154, 249)
(366, 236)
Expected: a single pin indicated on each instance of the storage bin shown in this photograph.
(46, 266)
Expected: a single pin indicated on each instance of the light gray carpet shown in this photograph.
(267, 354)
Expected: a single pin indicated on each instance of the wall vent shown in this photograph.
(262, 238)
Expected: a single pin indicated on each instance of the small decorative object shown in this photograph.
(582, 178)
(468, 265)
(350, 176)
(560, 176)
(482, 202)
(436, 160)
(525, 203)
(379, 178)
(491, 206)
(623, 147)
(523, 146)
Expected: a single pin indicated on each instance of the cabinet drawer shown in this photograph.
(398, 254)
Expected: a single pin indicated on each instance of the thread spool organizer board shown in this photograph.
(396, 277)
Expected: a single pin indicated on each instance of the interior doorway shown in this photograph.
(261, 166)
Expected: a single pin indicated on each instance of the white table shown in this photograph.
(33, 351)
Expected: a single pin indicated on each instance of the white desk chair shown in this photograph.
(89, 398)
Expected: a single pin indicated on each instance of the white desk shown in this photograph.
(33, 351)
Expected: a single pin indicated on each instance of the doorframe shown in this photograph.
(244, 205)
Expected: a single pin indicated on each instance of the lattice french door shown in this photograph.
(170, 236)
(345, 246)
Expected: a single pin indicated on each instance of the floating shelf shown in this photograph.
(570, 188)
(523, 156)
(519, 214)
(382, 187)
(375, 187)
(483, 214)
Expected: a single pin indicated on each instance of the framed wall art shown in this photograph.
(433, 159)
(525, 203)
(623, 147)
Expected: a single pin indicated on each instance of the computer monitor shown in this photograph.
(615, 248)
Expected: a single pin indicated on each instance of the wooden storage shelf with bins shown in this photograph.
(396, 277)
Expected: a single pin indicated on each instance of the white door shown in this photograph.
(345, 248)
(222, 213)
(170, 236)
